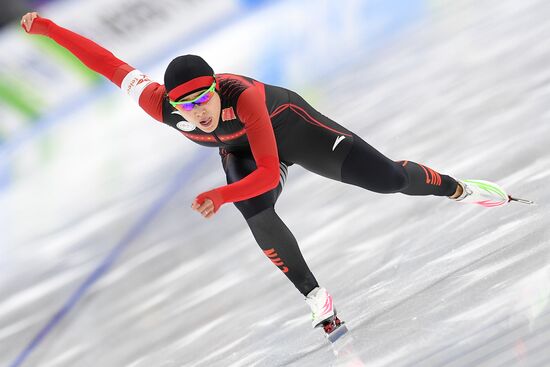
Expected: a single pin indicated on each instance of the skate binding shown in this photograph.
(334, 328)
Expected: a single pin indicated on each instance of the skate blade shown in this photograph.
(523, 201)
(337, 333)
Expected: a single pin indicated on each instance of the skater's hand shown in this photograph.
(28, 19)
(33, 23)
(206, 208)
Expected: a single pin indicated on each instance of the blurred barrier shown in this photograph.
(37, 76)
(41, 82)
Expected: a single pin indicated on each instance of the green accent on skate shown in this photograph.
(67, 58)
(488, 187)
(17, 96)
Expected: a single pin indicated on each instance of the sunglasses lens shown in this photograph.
(204, 98)
(187, 106)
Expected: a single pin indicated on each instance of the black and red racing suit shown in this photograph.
(262, 130)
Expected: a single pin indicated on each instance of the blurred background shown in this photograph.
(103, 263)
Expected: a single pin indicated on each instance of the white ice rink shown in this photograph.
(420, 281)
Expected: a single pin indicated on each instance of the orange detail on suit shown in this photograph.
(272, 254)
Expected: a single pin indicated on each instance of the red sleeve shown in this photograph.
(105, 63)
(253, 113)
(151, 100)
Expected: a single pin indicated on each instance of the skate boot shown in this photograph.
(324, 314)
(483, 193)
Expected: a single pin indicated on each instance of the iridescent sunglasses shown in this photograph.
(199, 101)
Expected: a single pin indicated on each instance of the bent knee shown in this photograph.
(400, 178)
(250, 208)
(394, 180)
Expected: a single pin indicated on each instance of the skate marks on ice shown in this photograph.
(518, 335)
(345, 351)
(511, 324)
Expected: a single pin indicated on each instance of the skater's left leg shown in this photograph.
(323, 146)
(366, 167)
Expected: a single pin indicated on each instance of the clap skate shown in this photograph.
(334, 328)
(324, 314)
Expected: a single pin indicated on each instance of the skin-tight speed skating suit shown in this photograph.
(263, 129)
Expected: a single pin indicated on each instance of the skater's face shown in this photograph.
(204, 113)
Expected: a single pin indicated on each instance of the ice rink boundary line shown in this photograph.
(135, 231)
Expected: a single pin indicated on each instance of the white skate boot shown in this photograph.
(320, 302)
(323, 314)
(484, 193)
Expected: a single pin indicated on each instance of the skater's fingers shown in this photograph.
(195, 205)
(206, 207)
(200, 208)
(24, 21)
(209, 212)
(28, 19)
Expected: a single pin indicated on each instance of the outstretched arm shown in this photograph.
(147, 93)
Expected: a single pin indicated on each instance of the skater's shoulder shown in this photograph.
(234, 82)
(232, 86)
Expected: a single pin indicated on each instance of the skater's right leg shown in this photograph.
(272, 235)
(278, 243)
(280, 246)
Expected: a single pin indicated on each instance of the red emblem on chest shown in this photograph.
(228, 114)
